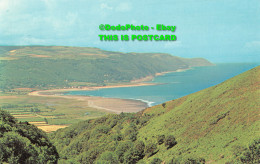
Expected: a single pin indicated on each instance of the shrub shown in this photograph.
(252, 153)
(131, 157)
(131, 133)
(150, 149)
(164, 105)
(156, 161)
(139, 148)
(194, 161)
(107, 157)
(160, 139)
(170, 141)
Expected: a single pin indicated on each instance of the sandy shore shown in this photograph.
(51, 91)
(178, 70)
(113, 105)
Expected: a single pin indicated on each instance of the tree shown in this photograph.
(24, 143)
(107, 157)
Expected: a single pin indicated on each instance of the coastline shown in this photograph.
(114, 105)
(40, 92)
(178, 70)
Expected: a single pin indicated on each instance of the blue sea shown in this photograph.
(174, 85)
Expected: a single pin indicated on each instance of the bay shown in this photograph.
(173, 85)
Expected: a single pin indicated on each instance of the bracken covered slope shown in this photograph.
(219, 124)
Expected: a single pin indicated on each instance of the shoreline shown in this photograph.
(114, 105)
(39, 92)
(133, 83)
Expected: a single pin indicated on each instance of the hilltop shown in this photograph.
(219, 124)
(45, 67)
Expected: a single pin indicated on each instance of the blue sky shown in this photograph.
(218, 30)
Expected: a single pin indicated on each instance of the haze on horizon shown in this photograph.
(218, 30)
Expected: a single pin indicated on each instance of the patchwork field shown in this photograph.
(48, 113)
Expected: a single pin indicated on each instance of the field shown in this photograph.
(24, 69)
(50, 111)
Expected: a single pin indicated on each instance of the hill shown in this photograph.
(45, 67)
(24, 143)
(219, 124)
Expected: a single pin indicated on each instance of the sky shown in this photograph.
(218, 30)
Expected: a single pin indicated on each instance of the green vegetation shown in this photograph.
(57, 111)
(216, 125)
(24, 143)
(112, 138)
(58, 67)
(219, 124)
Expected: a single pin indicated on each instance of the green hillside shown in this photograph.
(219, 124)
(57, 67)
(24, 143)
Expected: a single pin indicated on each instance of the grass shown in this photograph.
(212, 122)
(56, 110)
(216, 124)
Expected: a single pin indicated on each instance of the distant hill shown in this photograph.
(219, 124)
(58, 67)
(24, 143)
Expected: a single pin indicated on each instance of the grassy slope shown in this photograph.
(212, 122)
(216, 124)
(56, 67)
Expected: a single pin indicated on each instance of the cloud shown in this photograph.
(124, 7)
(4, 5)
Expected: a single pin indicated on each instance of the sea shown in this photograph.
(173, 85)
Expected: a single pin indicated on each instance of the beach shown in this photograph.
(113, 105)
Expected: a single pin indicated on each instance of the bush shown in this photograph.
(164, 105)
(170, 141)
(131, 133)
(139, 148)
(195, 161)
(252, 153)
(150, 149)
(156, 161)
(107, 157)
(160, 139)
(122, 148)
(131, 157)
